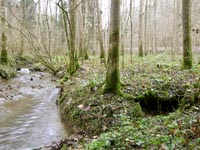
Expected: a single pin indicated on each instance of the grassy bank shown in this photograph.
(159, 107)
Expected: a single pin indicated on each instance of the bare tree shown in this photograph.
(155, 28)
(132, 4)
(186, 19)
(145, 27)
(112, 84)
(73, 61)
(141, 53)
(4, 57)
(102, 51)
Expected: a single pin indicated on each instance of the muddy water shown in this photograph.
(29, 118)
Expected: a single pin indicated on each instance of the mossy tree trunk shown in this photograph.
(141, 29)
(186, 19)
(73, 61)
(112, 84)
(4, 55)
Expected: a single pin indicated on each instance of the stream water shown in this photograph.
(30, 117)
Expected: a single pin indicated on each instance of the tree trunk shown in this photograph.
(186, 19)
(85, 32)
(73, 61)
(102, 51)
(155, 28)
(132, 4)
(4, 55)
(145, 28)
(177, 26)
(140, 29)
(112, 84)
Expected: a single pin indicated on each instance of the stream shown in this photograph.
(30, 117)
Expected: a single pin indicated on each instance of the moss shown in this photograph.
(155, 102)
(86, 56)
(64, 147)
(128, 96)
(65, 78)
(113, 83)
(4, 57)
(102, 54)
(7, 72)
(62, 98)
(187, 49)
(187, 64)
(141, 51)
(112, 74)
(4, 54)
(73, 63)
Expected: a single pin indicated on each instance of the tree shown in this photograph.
(28, 12)
(83, 54)
(177, 24)
(73, 62)
(102, 51)
(131, 15)
(140, 29)
(112, 84)
(28, 19)
(4, 55)
(186, 20)
(145, 27)
(155, 28)
(91, 16)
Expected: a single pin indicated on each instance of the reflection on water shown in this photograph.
(31, 120)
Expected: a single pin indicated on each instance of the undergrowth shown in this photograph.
(163, 113)
(178, 130)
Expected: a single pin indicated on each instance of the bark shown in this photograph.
(123, 33)
(90, 25)
(4, 55)
(102, 51)
(112, 84)
(140, 29)
(145, 28)
(132, 3)
(83, 53)
(186, 19)
(73, 62)
(155, 28)
(175, 28)
(177, 21)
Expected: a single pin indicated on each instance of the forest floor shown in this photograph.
(158, 110)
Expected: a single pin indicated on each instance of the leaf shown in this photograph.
(81, 106)
(108, 143)
(140, 142)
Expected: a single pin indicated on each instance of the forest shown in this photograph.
(99, 74)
